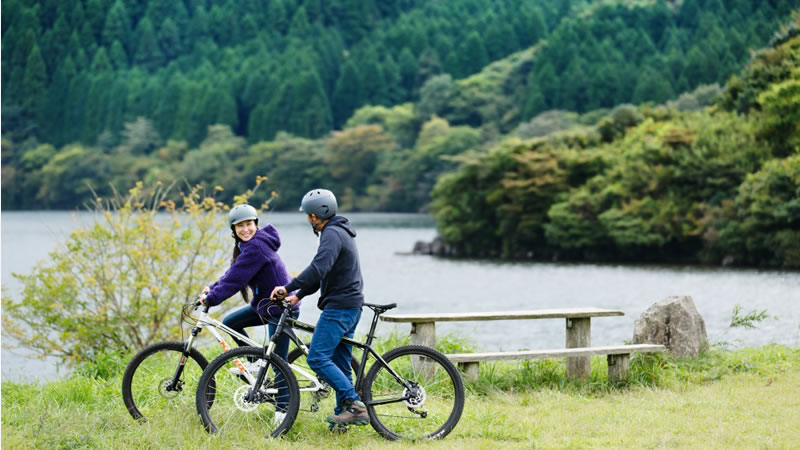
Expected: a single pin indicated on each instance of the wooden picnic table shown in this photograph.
(578, 333)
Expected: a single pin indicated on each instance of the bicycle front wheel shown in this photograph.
(155, 383)
(241, 407)
(424, 403)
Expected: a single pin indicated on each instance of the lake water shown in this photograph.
(421, 284)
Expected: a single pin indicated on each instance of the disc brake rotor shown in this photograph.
(163, 390)
(416, 397)
(239, 399)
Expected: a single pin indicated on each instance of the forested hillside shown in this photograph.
(77, 68)
(374, 99)
(666, 184)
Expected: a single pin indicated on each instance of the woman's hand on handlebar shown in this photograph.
(293, 299)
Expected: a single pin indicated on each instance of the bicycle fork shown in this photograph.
(176, 384)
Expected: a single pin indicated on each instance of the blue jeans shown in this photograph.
(248, 317)
(329, 357)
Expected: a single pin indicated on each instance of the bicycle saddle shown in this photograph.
(380, 309)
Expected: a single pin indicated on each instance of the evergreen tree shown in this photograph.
(98, 96)
(57, 40)
(688, 14)
(277, 18)
(472, 55)
(148, 54)
(373, 87)
(19, 58)
(549, 85)
(117, 26)
(300, 27)
(88, 42)
(224, 106)
(534, 101)
(318, 119)
(698, 69)
(198, 28)
(222, 25)
(55, 109)
(169, 40)
(652, 86)
(249, 29)
(347, 95)
(118, 57)
(573, 95)
(117, 96)
(395, 93)
(408, 71)
(34, 80)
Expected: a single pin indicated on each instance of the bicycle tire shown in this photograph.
(144, 384)
(226, 391)
(441, 396)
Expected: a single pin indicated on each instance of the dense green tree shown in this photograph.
(373, 84)
(117, 26)
(393, 82)
(57, 40)
(652, 86)
(169, 40)
(34, 81)
(299, 28)
(472, 55)
(347, 95)
(118, 57)
(148, 53)
(277, 18)
(408, 70)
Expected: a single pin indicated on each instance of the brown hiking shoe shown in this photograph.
(355, 413)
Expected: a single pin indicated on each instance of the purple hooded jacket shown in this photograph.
(257, 266)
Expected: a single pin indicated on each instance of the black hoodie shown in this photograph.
(335, 270)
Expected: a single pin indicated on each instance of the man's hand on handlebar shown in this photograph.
(279, 293)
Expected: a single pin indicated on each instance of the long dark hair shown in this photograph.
(236, 252)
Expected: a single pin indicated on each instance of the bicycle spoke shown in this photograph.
(238, 405)
(149, 386)
(426, 406)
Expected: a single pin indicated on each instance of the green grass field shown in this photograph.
(746, 398)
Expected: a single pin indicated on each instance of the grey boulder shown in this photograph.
(675, 323)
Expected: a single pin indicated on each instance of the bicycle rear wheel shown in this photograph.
(426, 405)
(147, 385)
(238, 405)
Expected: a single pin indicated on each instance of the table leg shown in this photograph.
(423, 333)
(579, 335)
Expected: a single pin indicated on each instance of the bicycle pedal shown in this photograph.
(338, 428)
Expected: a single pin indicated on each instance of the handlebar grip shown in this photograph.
(281, 292)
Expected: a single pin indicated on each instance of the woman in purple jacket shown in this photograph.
(255, 264)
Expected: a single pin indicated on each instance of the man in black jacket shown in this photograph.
(336, 272)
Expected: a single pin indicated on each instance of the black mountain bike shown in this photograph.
(411, 392)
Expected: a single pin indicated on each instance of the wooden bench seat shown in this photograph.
(618, 357)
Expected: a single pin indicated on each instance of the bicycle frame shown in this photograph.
(286, 325)
(205, 321)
